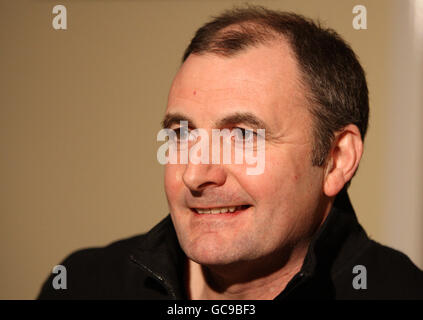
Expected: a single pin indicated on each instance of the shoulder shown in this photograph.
(92, 273)
(394, 268)
(100, 257)
(111, 272)
(388, 274)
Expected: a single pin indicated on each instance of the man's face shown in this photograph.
(280, 207)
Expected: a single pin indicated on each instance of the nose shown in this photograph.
(198, 177)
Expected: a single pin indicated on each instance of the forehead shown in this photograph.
(263, 80)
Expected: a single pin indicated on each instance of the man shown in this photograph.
(287, 233)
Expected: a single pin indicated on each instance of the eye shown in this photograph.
(243, 134)
(182, 133)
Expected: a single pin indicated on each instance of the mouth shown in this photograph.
(230, 210)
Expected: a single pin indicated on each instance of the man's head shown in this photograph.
(304, 85)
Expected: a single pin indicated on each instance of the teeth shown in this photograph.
(218, 210)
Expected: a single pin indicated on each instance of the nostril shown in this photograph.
(196, 193)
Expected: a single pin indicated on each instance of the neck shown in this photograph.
(245, 280)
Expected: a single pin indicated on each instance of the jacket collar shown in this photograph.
(335, 242)
(339, 229)
(161, 256)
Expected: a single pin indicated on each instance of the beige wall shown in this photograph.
(80, 110)
(403, 190)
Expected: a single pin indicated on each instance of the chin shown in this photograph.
(209, 252)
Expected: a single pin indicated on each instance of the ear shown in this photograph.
(343, 159)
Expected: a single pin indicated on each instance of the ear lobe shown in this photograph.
(343, 159)
(334, 182)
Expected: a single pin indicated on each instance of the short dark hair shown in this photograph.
(334, 80)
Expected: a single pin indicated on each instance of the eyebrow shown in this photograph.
(246, 118)
(171, 119)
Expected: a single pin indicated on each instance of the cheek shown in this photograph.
(281, 176)
(292, 185)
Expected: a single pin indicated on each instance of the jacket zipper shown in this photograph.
(156, 276)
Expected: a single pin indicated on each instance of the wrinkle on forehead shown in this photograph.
(246, 90)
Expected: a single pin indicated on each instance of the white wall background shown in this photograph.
(404, 188)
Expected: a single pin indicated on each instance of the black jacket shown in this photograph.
(151, 266)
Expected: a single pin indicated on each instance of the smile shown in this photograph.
(219, 210)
